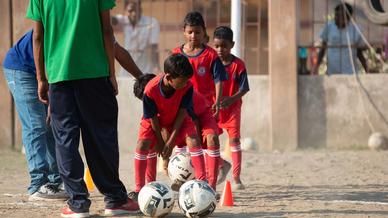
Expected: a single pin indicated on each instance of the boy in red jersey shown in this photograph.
(205, 125)
(233, 90)
(208, 69)
(165, 102)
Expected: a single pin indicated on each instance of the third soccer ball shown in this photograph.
(180, 168)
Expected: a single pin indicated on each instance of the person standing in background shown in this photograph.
(141, 36)
(334, 40)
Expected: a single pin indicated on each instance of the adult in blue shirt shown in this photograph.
(38, 140)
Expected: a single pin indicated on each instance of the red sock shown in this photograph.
(151, 166)
(212, 165)
(236, 159)
(180, 149)
(140, 169)
(198, 163)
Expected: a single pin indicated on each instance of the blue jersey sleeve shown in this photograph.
(187, 100)
(218, 71)
(149, 107)
(243, 81)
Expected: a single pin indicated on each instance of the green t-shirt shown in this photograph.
(73, 39)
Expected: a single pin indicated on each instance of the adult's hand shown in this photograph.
(43, 91)
(113, 81)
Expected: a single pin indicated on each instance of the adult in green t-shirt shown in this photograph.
(73, 44)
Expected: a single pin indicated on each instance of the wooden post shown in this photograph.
(283, 74)
(6, 106)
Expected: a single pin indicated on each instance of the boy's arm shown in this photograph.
(37, 44)
(150, 111)
(107, 33)
(227, 101)
(174, 132)
(216, 105)
(126, 61)
(219, 75)
(243, 89)
(185, 105)
(159, 139)
(195, 119)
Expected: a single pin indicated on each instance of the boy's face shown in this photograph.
(223, 47)
(194, 35)
(177, 83)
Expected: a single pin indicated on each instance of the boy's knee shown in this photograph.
(193, 142)
(143, 145)
(213, 141)
(234, 141)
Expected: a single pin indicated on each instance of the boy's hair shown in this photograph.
(348, 8)
(194, 18)
(177, 65)
(223, 32)
(140, 84)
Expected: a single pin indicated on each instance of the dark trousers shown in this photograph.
(89, 106)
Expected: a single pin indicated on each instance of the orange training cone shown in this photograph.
(88, 180)
(227, 196)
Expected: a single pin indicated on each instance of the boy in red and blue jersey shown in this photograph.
(165, 102)
(208, 69)
(206, 126)
(233, 90)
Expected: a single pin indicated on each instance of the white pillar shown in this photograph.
(236, 17)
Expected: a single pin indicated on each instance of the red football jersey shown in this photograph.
(207, 69)
(237, 80)
(165, 107)
(201, 105)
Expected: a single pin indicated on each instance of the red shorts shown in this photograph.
(231, 124)
(208, 126)
(147, 133)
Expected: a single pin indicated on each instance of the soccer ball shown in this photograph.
(156, 199)
(197, 199)
(377, 141)
(180, 168)
(248, 144)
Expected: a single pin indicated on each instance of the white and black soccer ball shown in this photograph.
(377, 141)
(156, 199)
(180, 168)
(197, 199)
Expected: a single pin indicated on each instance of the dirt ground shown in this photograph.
(316, 183)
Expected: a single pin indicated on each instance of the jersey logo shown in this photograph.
(201, 70)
